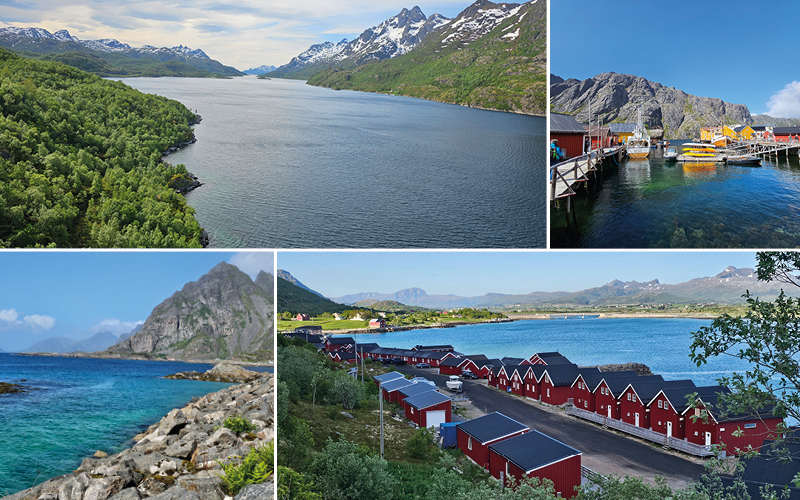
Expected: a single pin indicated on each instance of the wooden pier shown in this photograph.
(566, 178)
(763, 148)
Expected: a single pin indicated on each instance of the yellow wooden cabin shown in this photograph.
(708, 133)
(744, 132)
(729, 132)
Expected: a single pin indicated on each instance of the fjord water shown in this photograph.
(288, 165)
(660, 343)
(655, 204)
(77, 406)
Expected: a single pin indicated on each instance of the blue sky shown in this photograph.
(239, 33)
(742, 52)
(78, 294)
(475, 273)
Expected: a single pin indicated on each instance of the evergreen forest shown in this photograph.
(80, 161)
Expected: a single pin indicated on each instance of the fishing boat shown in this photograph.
(742, 160)
(639, 143)
(671, 153)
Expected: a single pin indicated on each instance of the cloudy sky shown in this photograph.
(740, 51)
(77, 294)
(239, 33)
(334, 274)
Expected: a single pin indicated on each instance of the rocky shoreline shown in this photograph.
(181, 456)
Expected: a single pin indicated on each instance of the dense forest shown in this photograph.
(80, 161)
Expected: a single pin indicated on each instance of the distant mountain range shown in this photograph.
(97, 342)
(727, 287)
(110, 57)
(618, 98)
(259, 70)
(490, 56)
(222, 315)
(395, 36)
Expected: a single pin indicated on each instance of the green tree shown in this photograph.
(342, 472)
(347, 391)
(294, 486)
(767, 337)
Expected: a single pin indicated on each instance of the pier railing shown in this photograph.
(649, 435)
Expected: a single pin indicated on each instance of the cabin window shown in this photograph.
(548, 393)
(633, 398)
(469, 442)
(659, 405)
(629, 396)
(412, 411)
(585, 404)
(750, 426)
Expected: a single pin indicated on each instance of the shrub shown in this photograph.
(239, 425)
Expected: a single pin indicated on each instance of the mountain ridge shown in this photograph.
(619, 97)
(726, 287)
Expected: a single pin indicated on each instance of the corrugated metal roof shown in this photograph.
(533, 450)
(386, 377)
(492, 426)
(414, 389)
(426, 399)
(395, 384)
(617, 128)
(565, 123)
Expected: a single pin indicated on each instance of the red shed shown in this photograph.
(584, 387)
(719, 428)
(607, 393)
(339, 343)
(413, 389)
(377, 323)
(786, 134)
(549, 358)
(386, 377)
(536, 455)
(428, 409)
(474, 436)
(570, 134)
(667, 407)
(391, 387)
(302, 317)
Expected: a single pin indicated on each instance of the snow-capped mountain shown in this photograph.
(478, 19)
(393, 37)
(259, 70)
(103, 45)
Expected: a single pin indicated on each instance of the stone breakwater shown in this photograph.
(179, 457)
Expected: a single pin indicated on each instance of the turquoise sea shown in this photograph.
(661, 344)
(75, 407)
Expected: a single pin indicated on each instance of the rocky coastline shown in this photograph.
(181, 456)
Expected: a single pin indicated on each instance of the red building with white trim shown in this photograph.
(474, 436)
(428, 409)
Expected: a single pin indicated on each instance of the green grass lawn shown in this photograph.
(326, 324)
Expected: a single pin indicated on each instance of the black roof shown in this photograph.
(647, 389)
(431, 347)
(492, 426)
(414, 389)
(533, 450)
(341, 340)
(565, 374)
(308, 337)
(512, 361)
(553, 358)
(343, 354)
(768, 469)
(617, 385)
(395, 384)
(677, 395)
(786, 130)
(491, 362)
(476, 358)
(716, 407)
(593, 379)
(451, 361)
(426, 399)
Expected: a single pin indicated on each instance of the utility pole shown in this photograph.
(380, 400)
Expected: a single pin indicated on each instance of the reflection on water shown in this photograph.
(660, 204)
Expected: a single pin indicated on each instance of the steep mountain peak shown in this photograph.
(478, 19)
(733, 272)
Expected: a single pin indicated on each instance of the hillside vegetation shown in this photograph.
(80, 161)
(493, 72)
(294, 299)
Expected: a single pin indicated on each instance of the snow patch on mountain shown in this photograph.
(471, 26)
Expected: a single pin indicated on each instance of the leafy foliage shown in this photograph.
(80, 161)
(342, 472)
(256, 468)
(294, 486)
(239, 425)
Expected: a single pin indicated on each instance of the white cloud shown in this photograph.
(8, 316)
(785, 103)
(40, 322)
(115, 326)
(253, 262)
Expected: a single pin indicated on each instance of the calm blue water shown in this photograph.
(78, 406)
(652, 203)
(661, 344)
(288, 165)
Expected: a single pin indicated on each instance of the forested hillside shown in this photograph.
(80, 161)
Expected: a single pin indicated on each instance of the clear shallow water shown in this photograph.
(288, 165)
(655, 204)
(661, 344)
(78, 406)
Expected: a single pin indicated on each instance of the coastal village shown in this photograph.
(672, 414)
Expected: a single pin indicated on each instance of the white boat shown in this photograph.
(671, 153)
(639, 143)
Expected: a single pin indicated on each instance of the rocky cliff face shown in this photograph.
(223, 315)
(617, 98)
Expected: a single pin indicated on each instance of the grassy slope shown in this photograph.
(491, 72)
(295, 299)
